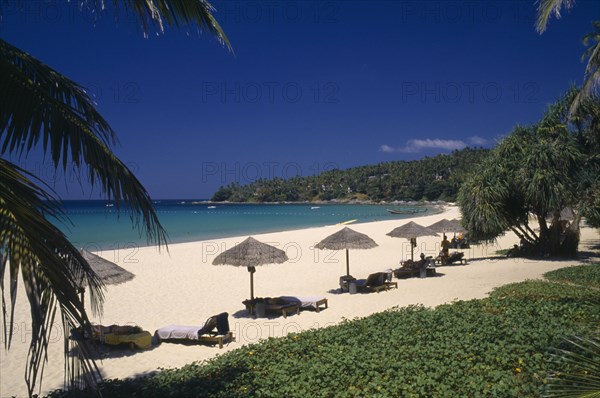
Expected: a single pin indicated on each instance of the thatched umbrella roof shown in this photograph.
(457, 226)
(108, 272)
(251, 253)
(411, 230)
(346, 239)
(445, 225)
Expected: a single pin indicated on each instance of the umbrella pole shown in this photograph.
(251, 292)
(412, 250)
(347, 263)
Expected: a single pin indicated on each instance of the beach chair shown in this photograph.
(411, 268)
(205, 333)
(304, 302)
(375, 283)
(141, 340)
(456, 257)
(273, 304)
(132, 336)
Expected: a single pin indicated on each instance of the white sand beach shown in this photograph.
(181, 286)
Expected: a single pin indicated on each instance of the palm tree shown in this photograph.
(592, 70)
(536, 170)
(547, 8)
(40, 108)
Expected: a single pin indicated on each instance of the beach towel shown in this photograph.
(140, 340)
(178, 332)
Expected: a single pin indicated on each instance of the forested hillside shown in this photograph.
(430, 178)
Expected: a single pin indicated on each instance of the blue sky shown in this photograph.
(311, 86)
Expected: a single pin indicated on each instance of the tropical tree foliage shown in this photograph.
(40, 109)
(538, 171)
(549, 8)
(430, 178)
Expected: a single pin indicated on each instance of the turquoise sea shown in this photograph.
(98, 225)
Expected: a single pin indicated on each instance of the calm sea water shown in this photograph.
(98, 225)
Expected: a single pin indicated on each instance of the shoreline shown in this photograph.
(182, 286)
(187, 222)
(324, 202)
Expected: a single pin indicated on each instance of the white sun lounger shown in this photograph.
(314, 302)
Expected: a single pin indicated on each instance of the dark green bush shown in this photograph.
(585, 275)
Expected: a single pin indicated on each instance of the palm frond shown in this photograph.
(549, 8)
(51, 269)
(39, 106)
(581, 359)
(155, 14)
(592, 70)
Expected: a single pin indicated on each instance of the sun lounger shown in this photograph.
(133, 336)
(455, 257)
(206, 333)
(141, 340)
(314, 302)
(273, 304)
(410, 269)
(375, 283)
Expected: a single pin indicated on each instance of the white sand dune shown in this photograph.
(182, 287)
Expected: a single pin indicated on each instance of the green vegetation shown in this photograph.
(538, 171)
(582, 380)
(431, 178)
(497, 346)
(583, 275)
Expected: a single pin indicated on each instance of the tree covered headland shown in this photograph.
(533, 175)
(431, 178)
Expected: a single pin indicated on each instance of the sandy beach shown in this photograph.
(182, 286)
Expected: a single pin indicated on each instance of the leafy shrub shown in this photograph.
(585, 275)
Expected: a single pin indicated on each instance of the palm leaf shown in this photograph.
(581, 358)
(38, 106)
(50, 267)
(178, 12)
(155, 14)
(548, 8)
(592, 71)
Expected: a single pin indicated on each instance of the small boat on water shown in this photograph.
(211, 207)
(407, 211)
(315, 207)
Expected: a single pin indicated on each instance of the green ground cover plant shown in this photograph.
(585, 275)
(495, 347)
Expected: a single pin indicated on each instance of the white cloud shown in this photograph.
(478, 141)
(420, 145)
(417, 145)
(448, 145)
(386, 148)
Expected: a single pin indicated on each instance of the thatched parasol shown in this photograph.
(108, 272)
(411, 230)
(446, 225)
(346, 239)
(251, 253)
